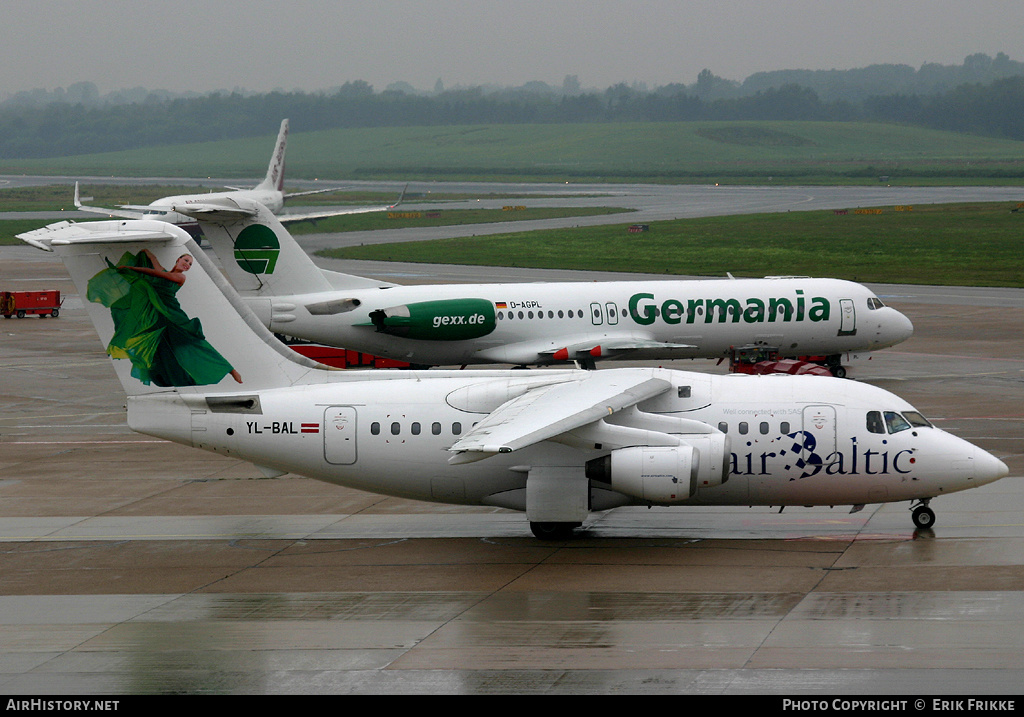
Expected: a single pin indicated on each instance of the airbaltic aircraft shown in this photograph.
(540, 323)
(269, 192)
(200, 369)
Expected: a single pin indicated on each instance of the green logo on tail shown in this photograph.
(257, 249)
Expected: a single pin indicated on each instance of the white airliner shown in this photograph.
(540, 323)
(200, 369)
(269, 193)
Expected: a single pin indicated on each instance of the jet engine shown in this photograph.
(664, 474)
(441, 320)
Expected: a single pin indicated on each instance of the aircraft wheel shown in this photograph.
(553, 531)
(924, 517)
(838, 371)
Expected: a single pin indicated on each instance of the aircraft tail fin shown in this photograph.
(169, 323)
(275, 171)
(261, 258)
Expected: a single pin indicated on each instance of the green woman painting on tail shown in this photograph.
(165, 346)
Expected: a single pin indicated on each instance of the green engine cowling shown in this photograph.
(442, 320)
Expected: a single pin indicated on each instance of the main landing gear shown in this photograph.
(553, 531)
(924, 517)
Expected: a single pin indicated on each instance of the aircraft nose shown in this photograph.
(988, 468)
(895, 328)
(903, 328)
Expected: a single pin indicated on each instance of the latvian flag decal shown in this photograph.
(310, 427)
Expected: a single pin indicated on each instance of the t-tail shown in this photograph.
(165, 315)
(260, 257)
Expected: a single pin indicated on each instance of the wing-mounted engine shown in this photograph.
(658, 474)
(670, 459)
(441, 320)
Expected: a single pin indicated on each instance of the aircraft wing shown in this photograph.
(608, 344)
(553, 409)
(288, 217)
(123, 212)
(641, 344)
(311, 191)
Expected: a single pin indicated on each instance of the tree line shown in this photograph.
(79, 121)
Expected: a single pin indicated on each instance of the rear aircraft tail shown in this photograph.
(262, 259)
(275, 172)
(164, 313)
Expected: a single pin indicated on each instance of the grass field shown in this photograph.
(703, 152)
(965, 244)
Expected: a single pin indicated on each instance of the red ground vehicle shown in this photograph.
(23, 303)
(342, 358)
(760, 360)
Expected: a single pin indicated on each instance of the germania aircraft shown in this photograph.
(200, 369)
(541, 323)
(269, 193)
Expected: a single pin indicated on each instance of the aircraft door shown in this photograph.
(596, 314)
(340, 435)
(847, 318)
(612, 312)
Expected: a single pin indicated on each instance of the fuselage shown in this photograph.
(540, 323)
(788, 440)
(272, 199)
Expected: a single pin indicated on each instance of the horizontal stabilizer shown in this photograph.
(63, 233)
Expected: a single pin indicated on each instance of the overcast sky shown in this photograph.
(260, 45)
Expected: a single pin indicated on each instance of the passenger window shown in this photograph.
(764, 428)
(895, 422)
(784, 427)
(875, 424)
(396, 428)
(457, 429)
(375, 428)
(743, 428)
(723, 427)
(415, 428)
(435, 428)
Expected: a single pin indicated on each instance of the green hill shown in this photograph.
(704, 152)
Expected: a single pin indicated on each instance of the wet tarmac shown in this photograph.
(130, 565)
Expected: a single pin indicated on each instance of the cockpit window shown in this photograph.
(875, 423)
(875, 303)
(895, 422)
(916, 419)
